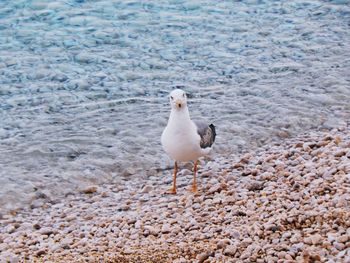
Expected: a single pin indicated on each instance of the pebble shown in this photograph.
(214, 189)
(230, 250)
(84, 57)
(46, 231)
(89, 189)
(151, 230)
(172, 205)
(315, 239)
(166, 228)
(41, 252)
(343, 239)
(203, 256)
(255, 186)
(223, 243)
(128, 172)
(339, 246)
(10, 229)
(147, 189)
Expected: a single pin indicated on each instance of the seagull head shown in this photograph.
(178, 99)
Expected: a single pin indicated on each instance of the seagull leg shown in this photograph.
(194, 184)
(173, 189)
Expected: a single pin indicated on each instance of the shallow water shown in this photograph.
(84, 84)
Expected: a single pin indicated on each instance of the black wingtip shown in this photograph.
(212, 127)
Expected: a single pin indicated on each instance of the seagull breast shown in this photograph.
(183, 139)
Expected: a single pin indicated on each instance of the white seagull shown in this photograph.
(183, 139)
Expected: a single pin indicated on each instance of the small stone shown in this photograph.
(288, 257)
(79, 83)
(223, 243)
(230, 250)
(316, 239)
(238, 165)
(147, 189)
(185, 172)
(37, 203)
(66, 241)
(138, 224)
(339, 246)
(46, 231)
(128, 251)
(207, 174)
(281, 254)
(10, 229)
(14, 259)
(134, 237)
(89, 190)
(229, 200)
(172, 205)
(254, 172)
(40, 253)
(245, 255)
(246, 172)
(337, 140)
(204, 256)
(283, 134)
(217, 200)
(84, 57)
(151, 230)
(343, 239)
(128, 172)
(245, 158)
(10, 62)
(322, 143)
(340, 153)
(124, 207)
(214, 189)
(36, 226)
(104, 194)
(166, 228)
(271, 227)
(247, 241)
(59, 77)
(255, 186)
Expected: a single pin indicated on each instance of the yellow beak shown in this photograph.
(178, 103)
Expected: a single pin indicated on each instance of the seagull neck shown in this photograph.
(182, 115)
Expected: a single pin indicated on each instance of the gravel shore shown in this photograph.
(282, 203)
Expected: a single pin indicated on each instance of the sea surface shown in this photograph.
(84, 84)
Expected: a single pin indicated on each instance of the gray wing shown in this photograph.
(207, 133)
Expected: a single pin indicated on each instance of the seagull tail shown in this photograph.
(213, 132)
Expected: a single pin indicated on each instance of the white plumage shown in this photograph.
(183, 139)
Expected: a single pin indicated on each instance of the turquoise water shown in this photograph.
(84, 84)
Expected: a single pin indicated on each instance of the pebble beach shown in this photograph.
(84, 84)
(286, 202)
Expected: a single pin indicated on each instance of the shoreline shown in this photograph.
(286, 202)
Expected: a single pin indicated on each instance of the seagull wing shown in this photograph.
(207, 134)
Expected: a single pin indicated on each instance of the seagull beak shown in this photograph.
(178, 103)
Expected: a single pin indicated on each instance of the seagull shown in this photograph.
(183, 139)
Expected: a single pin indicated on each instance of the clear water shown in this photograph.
(84, 84)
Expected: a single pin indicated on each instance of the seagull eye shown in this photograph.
(183, 95)
(171, 97)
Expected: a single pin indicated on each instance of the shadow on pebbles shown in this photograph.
(283, 203)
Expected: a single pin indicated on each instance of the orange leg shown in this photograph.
(173, 189)
(194, 184)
